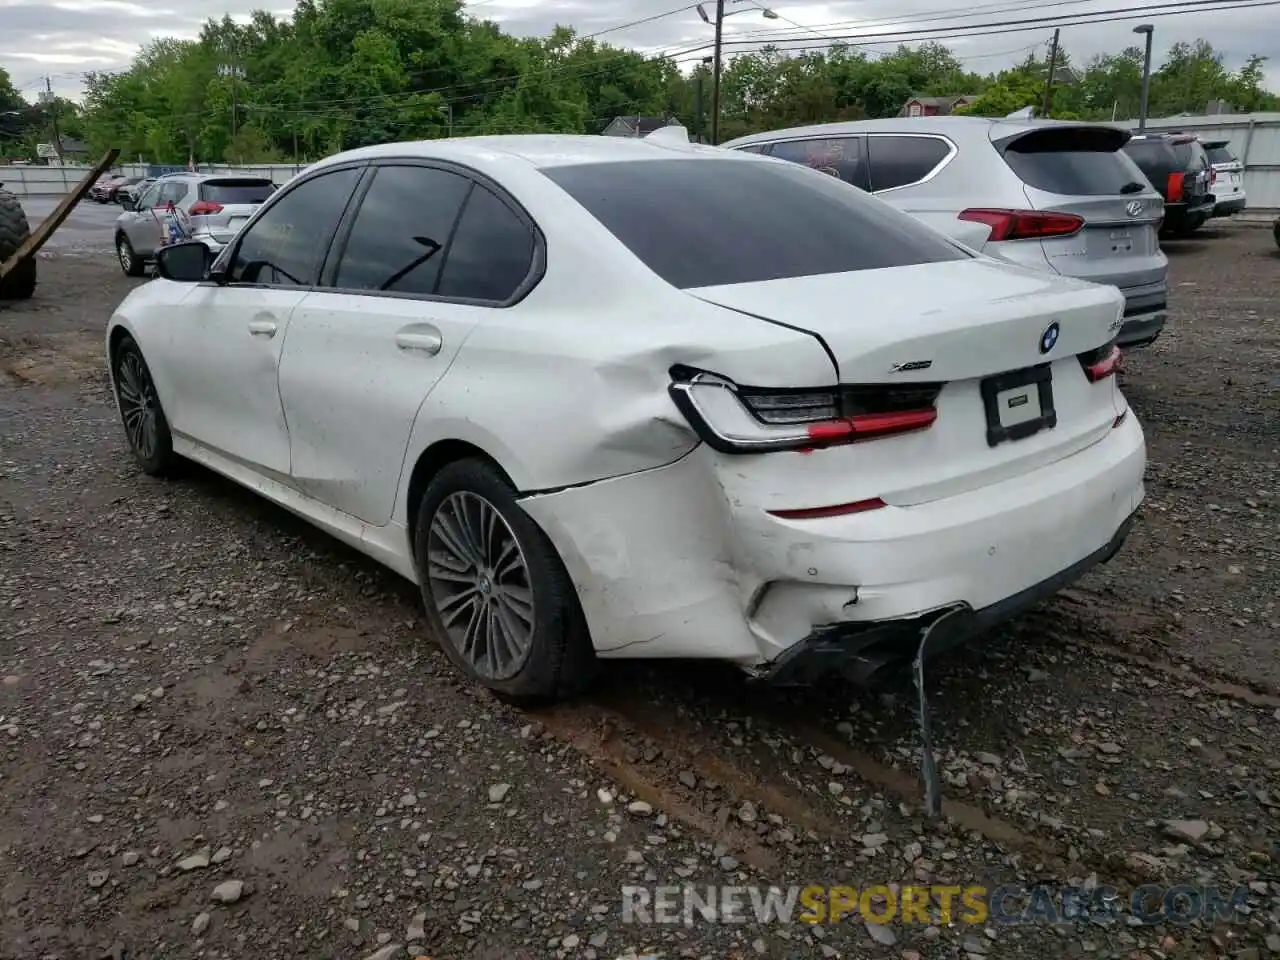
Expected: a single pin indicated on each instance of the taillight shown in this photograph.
(737, 419)
(1213, 177)
(1101, 363)
(1024, 224)
(204, 207)
(1175, 186)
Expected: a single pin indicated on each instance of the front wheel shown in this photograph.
(498, 598)
(130, 262)
(144, 421)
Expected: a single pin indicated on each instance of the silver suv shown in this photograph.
(1048, 195)
(213, 206)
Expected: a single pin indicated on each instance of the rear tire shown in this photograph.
(497, 596)
(130, 262)
(145, 426)
(20, 284)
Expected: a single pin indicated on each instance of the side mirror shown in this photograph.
(184, 262)
(128, 203)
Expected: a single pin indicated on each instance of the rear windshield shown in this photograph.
(1074, 162)
(1190, 155)
(702, 223)
(236, 191)
(1220, 155)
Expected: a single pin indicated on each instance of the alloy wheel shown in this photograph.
(125, 255)
(138, 405)
(480, 585)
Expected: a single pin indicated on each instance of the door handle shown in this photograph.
(422, 338)
(262, 328)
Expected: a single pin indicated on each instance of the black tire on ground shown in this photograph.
(560, 660)
(130, 262)
(146, 428)
(14, 229)
(1275, 231)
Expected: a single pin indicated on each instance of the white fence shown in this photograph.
(1255, 140)
(57, 181)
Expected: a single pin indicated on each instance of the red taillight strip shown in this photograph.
(1105, 367)
(868, 426)
(839, 510)
(1175, 187)
(1023, 224)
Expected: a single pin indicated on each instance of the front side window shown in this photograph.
(151, 198)
(839, 157)
(708, 222)
(896, 161)
(397, 241)
(286, 244)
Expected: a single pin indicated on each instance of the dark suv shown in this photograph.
(1179, 168)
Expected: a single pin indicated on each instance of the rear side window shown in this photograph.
(840, 157)
(397, 241)
(1073, 162)
(236, 191)
(491, 252)
(753, 148)
(901, 161)
(1220, 155)
(702, 223)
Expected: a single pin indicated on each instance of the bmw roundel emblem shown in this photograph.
(1049, 338)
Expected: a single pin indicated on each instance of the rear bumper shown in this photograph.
(1141, 328)
(857, 652)
(1229, 206)
(666, 566)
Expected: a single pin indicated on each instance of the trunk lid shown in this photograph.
(963, 323)
(1083, 170)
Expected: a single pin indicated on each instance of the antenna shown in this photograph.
(672, 133)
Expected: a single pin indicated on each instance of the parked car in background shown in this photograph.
(1227, 179)
(1062, 197)
(1178, 167)
(214, 207)
(561, 384)
(112, 190)
(131, 191)
(104, 185)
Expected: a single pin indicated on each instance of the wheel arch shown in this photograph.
(430, 462)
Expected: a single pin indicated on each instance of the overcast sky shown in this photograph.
(64, 38)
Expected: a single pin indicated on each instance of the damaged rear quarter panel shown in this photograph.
(564, 397)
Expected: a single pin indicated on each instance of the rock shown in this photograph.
(747, 812)
(229, 891)
(1109, 748)
(599, 939)
(604, 796)
(409, 800)
(990, 759)
(688, 778)
(975, 945)
(881, 933)
(497, 793)
(639, 808)
(417, 928)
(1273, 942)
(1193, 830)
(200, 924)
(128, 858)
(97, 878)
(728, 863)
(388, 952)
(222, 856)
(571, 941)
(197, 861)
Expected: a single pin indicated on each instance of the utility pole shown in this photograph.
(450, 106)
(1053, 63)
(52, 103)
(700, 102)
(715, 77)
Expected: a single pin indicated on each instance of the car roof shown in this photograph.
(997, 128)
(536, 149)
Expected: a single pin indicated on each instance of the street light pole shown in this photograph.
(1148, 29)
(716, 68)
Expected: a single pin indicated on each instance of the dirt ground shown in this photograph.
(223, 735)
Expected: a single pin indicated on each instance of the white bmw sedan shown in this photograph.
(607, 398)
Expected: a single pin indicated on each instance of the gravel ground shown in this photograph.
(222, 734)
